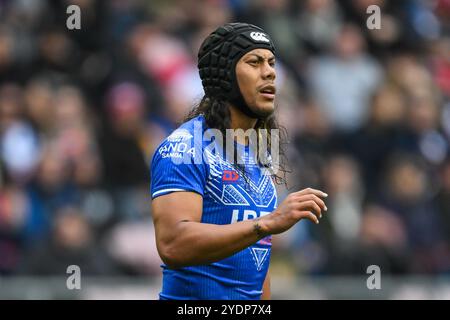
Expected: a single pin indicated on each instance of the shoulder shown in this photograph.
(183, 143)
(188, 131)
(178, 161)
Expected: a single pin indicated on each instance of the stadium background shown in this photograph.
(81, 111)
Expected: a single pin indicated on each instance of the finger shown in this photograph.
(315, 198)
(307, 215)
(310, 205)
(313, 191)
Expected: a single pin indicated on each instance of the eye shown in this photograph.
(253, 62)
(272, 64)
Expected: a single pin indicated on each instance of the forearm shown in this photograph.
(200, 243)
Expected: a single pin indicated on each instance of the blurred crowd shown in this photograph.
(82, 111)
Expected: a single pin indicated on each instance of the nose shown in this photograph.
(268, 71)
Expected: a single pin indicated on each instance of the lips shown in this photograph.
(268, 91)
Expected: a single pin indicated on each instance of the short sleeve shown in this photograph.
(177, 166)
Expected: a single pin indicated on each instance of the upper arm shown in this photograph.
(170, 209)
(177, 186)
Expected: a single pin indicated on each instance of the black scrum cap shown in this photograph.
(219, 54)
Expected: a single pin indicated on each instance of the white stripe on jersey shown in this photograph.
(166, 190)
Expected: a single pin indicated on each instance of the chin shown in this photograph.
(264, 110)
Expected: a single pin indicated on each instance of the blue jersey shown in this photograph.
(187, 161)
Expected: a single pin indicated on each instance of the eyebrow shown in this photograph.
(261, 57)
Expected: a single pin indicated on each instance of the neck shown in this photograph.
(241, 121)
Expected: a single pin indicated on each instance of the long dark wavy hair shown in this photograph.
(217, 116)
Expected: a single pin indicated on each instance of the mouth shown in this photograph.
(268, 91)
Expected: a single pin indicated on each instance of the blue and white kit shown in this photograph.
(185, 161)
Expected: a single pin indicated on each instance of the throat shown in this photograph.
(239, 120)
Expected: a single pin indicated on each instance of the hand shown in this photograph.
(303, 204)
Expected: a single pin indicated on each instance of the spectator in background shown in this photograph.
(381, 132)
(120, 144)
(11, 105)
(71, 243)
(318, 24)
(13, 220)
(39, 103)
(50, 189)
(125, 167)
(343, 81)
(312, 142)
(440, 60)
(19, 145)
(408, 193)
(342, 177)
(6, 53)
(383, 241)
(132, 246)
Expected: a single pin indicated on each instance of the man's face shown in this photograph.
(255, 73)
